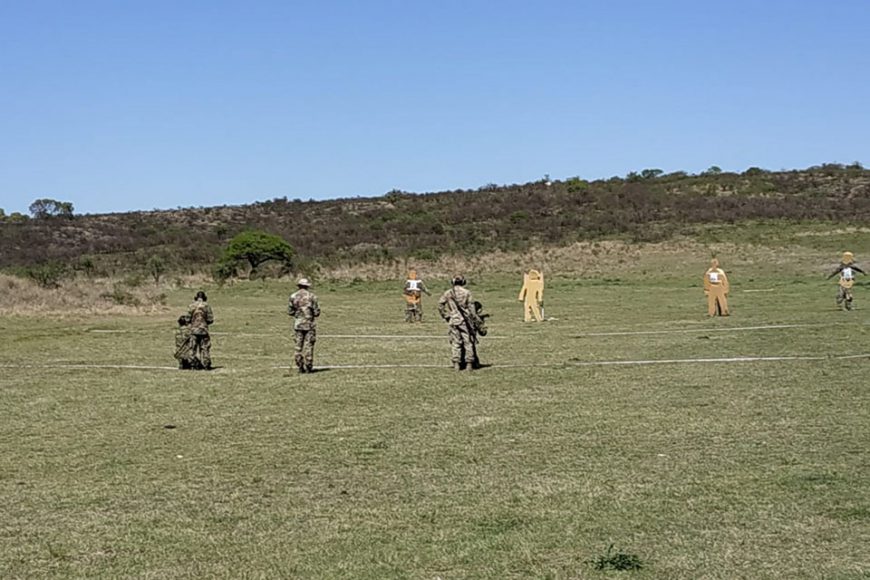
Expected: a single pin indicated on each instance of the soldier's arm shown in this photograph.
(424, 289)
(835, 272)
(857, 269)
(442, 307)
(315, 307)
(209, 314)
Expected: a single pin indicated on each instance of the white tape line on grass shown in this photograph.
(688, 330)
(88, 366)
(602, 363)
(672, 361)
(491, 337)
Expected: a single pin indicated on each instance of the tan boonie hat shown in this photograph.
(303, 282)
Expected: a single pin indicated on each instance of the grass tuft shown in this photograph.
(611, 560)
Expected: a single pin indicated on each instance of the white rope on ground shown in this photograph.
(496, 337)
(689, 330)
(264, 335)
(737, 359)
(86, 366)
(398, 336)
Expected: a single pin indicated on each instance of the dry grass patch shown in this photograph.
(23, 297)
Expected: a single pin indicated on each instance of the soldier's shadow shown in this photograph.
(294, 373)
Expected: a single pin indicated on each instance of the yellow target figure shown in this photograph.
(846, 270)
(532, 295)
(413, 292)
(716, 289)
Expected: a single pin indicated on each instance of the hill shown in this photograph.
(641, 207)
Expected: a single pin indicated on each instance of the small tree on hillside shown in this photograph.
(45, 208)
(156, 266)
(256, 247)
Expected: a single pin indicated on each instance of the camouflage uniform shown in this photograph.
(304, 309)
(201, 316)
(456, 307)
(184, 345)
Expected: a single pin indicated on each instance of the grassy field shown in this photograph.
(751, 467)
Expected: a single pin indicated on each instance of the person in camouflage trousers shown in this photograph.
(457, 307)
(304, 309)
(184, 344)
(201, 317)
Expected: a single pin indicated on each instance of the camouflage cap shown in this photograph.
(304, 283)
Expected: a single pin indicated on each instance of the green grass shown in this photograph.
(530, 468)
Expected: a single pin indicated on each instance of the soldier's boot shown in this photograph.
(457, 366)
(469, 367)
(309, 367)
(300, 364)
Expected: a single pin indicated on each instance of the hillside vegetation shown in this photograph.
(642, 207)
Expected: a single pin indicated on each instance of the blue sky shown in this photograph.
(119, 105)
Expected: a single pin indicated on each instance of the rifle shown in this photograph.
(472, 328)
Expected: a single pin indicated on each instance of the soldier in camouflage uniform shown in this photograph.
(457, 308)
(201, 317)
(184, 344)
(304, 309)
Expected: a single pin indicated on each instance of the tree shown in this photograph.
(256, 247)
(156, 267)
(713, 170)
(650, 173)
(46, 208)
(2, 214)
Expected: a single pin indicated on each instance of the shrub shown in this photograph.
(46, 275)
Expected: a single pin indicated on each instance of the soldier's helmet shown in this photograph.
(304, 283)
(458, 280)
(201, 296)
(848, 257)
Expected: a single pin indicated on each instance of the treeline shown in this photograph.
(643, 206)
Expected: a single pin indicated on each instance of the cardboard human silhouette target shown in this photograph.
(413, 292)
(716, 289)
(532, 295)
(846, 269)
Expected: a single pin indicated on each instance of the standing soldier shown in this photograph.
(304, 309)
(457, 308)
(846, 270)
(414, 290)
(201, 317)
